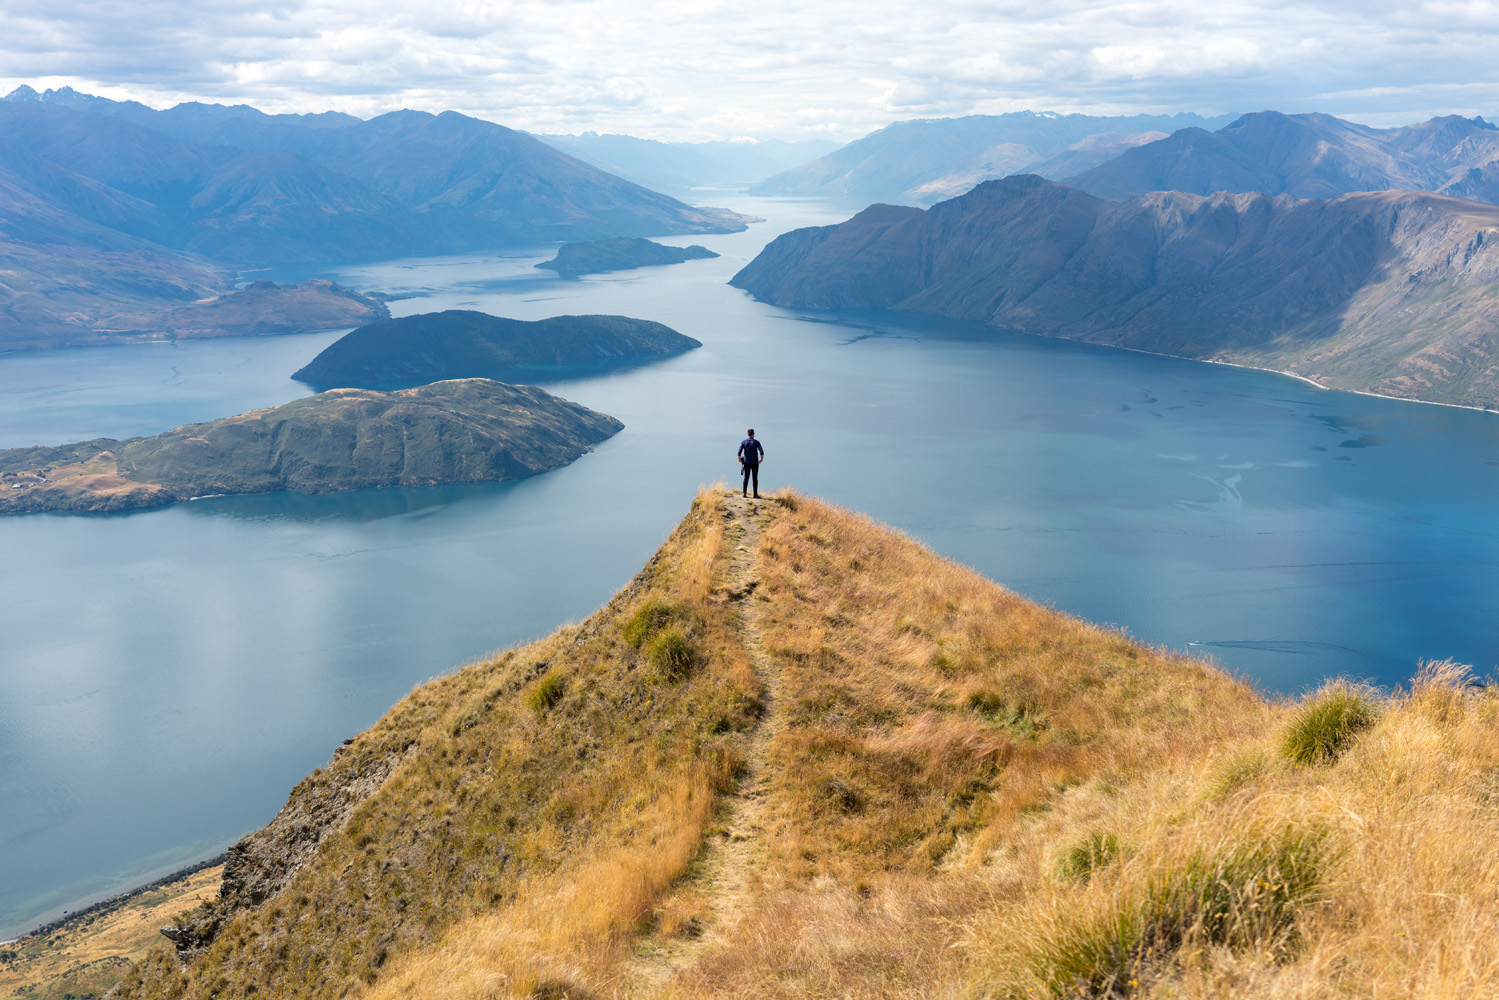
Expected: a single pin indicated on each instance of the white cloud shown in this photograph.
(711, 69)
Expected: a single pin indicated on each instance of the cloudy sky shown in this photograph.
(703, 69)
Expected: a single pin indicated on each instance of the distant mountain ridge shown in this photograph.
(1390, 292)
(927, 160)
(678, 167)
(1309, 156)
(245, 187)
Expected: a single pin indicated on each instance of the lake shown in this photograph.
(168, 676)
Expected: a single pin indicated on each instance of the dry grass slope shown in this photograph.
(802, 756)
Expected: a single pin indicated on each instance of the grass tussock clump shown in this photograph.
(1085, 856)
(649, 619)
(1242, 896)
(672, 653)
(1328, 723)
(661, 632)
(547, 692)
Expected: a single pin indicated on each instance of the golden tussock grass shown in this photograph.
(956, 793)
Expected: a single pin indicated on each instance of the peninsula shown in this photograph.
(1389, 292)
(469, 431)
(620, 254)
(462, 343)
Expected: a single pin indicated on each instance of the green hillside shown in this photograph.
(799, 755)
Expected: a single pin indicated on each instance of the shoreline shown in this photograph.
(1325, 388)
(112, 902)
(1257, 368)
(838, 317)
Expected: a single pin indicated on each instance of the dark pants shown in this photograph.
(751, 471)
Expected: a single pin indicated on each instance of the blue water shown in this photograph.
(168, 676)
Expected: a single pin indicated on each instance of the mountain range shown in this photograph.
(1310, 156)
(243, 187)
(924, 161)
(1389, 292)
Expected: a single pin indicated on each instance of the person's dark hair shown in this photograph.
(751, 432)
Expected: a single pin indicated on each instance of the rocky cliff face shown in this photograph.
(1391, 292)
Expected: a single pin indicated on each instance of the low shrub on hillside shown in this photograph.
(1328, 723)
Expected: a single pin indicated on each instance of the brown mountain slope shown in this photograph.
(801, 756)
(1389, 292)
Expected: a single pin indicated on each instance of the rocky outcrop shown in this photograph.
(1389, 292)
(261, 864)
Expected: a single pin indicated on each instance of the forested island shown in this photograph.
(469, 431)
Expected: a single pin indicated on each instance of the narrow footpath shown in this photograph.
(731, 864)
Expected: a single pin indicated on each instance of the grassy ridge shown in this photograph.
(802, 756)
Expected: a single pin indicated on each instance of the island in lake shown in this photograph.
(619, 254)
(466, 431)
(462, 343)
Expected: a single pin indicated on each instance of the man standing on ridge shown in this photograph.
(751, 453)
